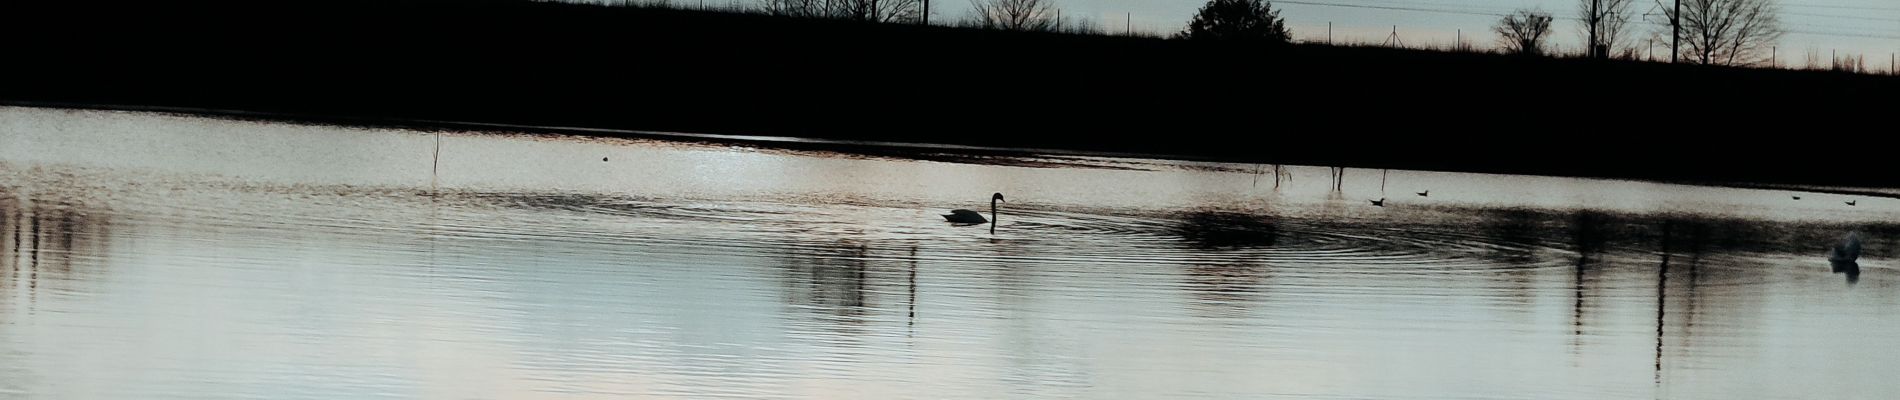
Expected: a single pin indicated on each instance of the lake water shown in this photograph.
(173, 257)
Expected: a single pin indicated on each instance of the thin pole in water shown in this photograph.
(434, 161)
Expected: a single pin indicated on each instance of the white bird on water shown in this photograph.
(963, 216)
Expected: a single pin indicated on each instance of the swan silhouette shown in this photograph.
(1848, 250)
(1426, 193)
(1842, 257)
(963, 216)
(1378, 203)
(1852, 202)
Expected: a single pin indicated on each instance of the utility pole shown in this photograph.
(1594, 20)
(1675, 33)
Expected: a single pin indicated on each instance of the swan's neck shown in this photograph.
(992, 216)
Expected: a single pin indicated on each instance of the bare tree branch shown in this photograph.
(1728, 32)
(1524, 31)
(893, 11)
(1604, 26)
(1014, 15)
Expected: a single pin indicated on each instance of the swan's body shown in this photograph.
(1795, 197)
(1848, 250)
(965, 217)
(1378, 203)
(1842, 257)
(1851, 203)
(961, 216)
(1427, 193)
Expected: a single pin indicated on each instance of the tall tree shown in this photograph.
(1524, 31)
(1248, 20)
(897, 11)
(1727, 32)
(1604, 24)
(1014, 15)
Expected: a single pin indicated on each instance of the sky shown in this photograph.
(1870, 27)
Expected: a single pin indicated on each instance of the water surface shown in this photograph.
(163, 256)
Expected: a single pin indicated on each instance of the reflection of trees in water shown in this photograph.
(40, 240)
(1681, 246)
(1233, 283)
(1231, 286)
(910, 322)
(1593, 231)
(830, 280)
(1676, 245)
(1588, 238)
(1214, 230)
(1512, 238)
(1519, 232)
(1040, 353)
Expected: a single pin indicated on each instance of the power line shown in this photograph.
(1804, 32)
(1472, 9)
(1835, 7)
(1393, 8)
(1856, 17)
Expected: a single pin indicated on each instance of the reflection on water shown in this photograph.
(146, 256)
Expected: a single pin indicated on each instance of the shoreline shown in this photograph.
(616, 71)
(896, 149)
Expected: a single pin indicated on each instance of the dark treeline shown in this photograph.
(673, 70)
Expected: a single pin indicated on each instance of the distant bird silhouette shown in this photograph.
(1378, 203)
(962, 216)
(1426, 193)
(1850, 203)
(1796, 197)
(603, 159)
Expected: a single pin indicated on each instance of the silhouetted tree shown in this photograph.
(1603, 23)
(1251, 20)
(1524, 31)
(896, 11)
(1727, 32)
(1014, 15)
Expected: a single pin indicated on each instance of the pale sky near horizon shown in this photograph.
(1865, 27)
(1870, 27)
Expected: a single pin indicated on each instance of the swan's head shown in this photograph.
(996, 197)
